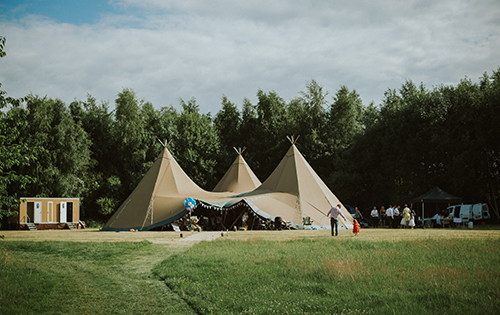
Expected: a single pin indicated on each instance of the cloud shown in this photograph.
(182, 49)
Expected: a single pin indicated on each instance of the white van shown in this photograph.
(478, 211)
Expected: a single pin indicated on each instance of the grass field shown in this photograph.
(452, 271)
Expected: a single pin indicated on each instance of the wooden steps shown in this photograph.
(31, 226)
(72, 226)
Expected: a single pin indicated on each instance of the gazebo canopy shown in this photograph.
(436, 195)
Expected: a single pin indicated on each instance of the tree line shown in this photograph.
(417, 138)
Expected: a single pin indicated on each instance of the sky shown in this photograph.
(166, 51)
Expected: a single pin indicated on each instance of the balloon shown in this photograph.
(190, 203)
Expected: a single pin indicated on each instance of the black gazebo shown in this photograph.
(435, 195)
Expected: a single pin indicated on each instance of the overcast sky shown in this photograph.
(167, 50)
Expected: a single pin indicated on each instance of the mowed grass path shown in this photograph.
(297, 272)
(93, 273)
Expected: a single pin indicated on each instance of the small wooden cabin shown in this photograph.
(49, 213)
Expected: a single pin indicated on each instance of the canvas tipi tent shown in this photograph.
(158, 198)
(239, 178)
(294, 191)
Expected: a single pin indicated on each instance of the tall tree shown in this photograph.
(102, 185)
(13, 153)
(345, 118)
(344, 125)
(490, 115)
(248, 128)
(308, 119)
(227, 123)
(60, 145)
(270, 136)
(130, 146)
(197, 145)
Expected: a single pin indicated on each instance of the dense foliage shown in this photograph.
(417, 138)
(13, 153)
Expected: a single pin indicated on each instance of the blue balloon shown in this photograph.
(190, 203)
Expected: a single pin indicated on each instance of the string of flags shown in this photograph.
(212, 207)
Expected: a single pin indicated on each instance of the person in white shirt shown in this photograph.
(390, 216)
(375, 218)
(334, 214)
(395, 212)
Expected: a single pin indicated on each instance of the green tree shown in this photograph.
(197, 146)
(102, 185)
(227, 123)
(129, 136)
(344, 125)
(159, 126)
(308, 119)
(60, 145)
(269, 136)
(13, 152)
(248, 128)
(345, 119)
(490, 115)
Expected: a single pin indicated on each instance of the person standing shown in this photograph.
(389, 216)
(395, 220)
(375, 218)
(412, 220)
(406, 216)
(357, 215)
(334, 218)
(382, 215)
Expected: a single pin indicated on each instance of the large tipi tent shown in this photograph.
(158, 198)
(239, 178)
(294, 191)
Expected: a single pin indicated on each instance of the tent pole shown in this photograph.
(423, 216)
(232, 225)
(215, 215)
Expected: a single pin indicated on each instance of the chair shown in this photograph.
(306, 221)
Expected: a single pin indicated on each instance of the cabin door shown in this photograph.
(69, 213)
(50, 211)
(62, 212)
(38, 212)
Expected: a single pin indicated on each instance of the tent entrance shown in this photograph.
(235, 217)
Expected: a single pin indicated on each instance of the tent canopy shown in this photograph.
(239, 178)
(159, 197)
(293, 191)
(436, 195)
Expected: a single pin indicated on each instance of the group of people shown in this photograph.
(393, 217)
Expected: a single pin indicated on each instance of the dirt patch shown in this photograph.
(344, 269)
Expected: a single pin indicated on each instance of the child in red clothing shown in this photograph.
(355, 228)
